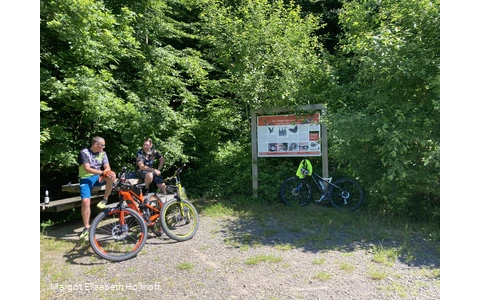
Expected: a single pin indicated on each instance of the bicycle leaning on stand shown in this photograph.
(343, 194)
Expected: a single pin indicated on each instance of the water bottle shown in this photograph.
(46, 199)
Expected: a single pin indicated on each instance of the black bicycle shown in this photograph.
(343, 194)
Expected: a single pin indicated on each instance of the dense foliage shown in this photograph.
(187, 73)
(388, 118)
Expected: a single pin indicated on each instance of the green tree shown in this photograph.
(264, 54)
(386, 126)
(81, 46)
(169, 77)
(121, 70)
(266, 50)
(187, 73)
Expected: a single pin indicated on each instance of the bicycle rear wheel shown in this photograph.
(179, 219)
(117, 234)
(345, 194)
(295, 192)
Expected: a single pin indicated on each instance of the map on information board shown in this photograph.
(288, 135)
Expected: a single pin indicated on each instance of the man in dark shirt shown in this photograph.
(145, 159)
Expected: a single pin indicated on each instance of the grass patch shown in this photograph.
(395, 288)
(60, 275)
(319, 261)
(185, 266)
(283, 247)
(386, 256)
(270, 232)
(97, 271)
(376, 274)
(322, 276)
(263, 258)
(347, 267)
(218, 210)
(431, 273)
(54, 245)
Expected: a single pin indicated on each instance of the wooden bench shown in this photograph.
(74, 188)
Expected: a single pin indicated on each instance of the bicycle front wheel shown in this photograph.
(179, 219)
(118, 234)
(345, 194)
(295, 192)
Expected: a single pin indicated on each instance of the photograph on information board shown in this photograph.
(288, 135)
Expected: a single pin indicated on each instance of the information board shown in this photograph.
(288, 135)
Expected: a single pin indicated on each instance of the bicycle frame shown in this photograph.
(179, 191)
(136, 202)
(322, 184)
(129, 198)
(177, 188)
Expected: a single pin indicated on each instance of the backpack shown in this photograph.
(305, 168)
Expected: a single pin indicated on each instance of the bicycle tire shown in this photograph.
(179, 219)
(110, 242)
(345, 194)
(155, 201)
(295, 192)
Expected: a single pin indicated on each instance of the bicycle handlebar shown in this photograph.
(122, 181)
(177, 171)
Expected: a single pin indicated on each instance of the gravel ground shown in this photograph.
(215, 264)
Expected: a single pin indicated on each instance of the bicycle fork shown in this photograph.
(120, 231)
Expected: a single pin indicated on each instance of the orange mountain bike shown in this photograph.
(119, 233)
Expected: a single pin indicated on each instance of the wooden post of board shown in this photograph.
(254, 154)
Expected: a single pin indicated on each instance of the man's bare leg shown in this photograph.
(109, 186)
(148, 180)
(86, 212)
(162, 187)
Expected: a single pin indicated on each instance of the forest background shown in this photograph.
(188, 72)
